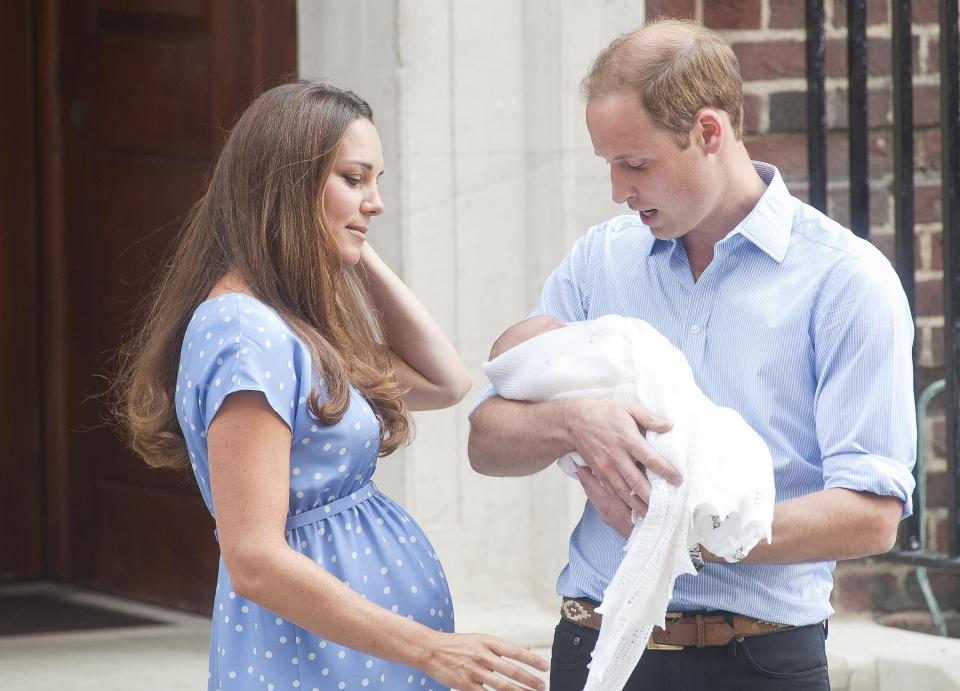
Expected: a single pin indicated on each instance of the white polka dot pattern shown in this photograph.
(373, 546)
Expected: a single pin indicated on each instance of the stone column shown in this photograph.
(490, 178)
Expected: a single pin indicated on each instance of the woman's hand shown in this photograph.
(470, 662)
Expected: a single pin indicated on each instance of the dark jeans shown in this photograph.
(794, 660)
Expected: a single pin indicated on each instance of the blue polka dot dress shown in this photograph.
(337, 517)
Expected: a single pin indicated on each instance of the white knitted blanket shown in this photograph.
(724, 504)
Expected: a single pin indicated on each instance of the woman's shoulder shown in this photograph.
(236, 342)
(240, 327)
(239, 314)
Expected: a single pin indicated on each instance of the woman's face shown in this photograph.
(350, 196)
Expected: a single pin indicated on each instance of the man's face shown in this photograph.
(669, 186)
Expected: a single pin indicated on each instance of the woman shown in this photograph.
(300, 353)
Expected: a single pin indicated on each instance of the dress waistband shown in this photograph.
(327, 510)
(332, 509)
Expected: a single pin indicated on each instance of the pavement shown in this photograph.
(864, 656)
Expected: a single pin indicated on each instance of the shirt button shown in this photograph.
(695, 329)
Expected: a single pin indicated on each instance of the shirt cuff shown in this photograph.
(880, 475)
(487, 394)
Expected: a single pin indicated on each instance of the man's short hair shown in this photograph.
(677, 67)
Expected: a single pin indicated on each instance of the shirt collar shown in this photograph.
(769, 223)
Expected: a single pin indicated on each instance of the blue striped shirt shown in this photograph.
(797, 324)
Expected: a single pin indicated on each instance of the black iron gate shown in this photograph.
(912, 548)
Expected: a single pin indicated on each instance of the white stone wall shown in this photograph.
(490, 178)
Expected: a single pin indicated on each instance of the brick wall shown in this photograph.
(768, 37)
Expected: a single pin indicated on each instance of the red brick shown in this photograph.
(936, 251)
(851, 592)
(915, 63)
(932, 64)
(877, 12)
(732, 14)
(752, 106)
(936, 489)
(926, 105)
(938, 433)
(879, 154)
(947, 588)
(922, 257)
(926, 12)
(786, 151)
(787, 14)
(771, 59)
(838, 156)
(838, 203)
(880, 151)
(788, 111)
(884, 243)
(937, 346)
(879, 108)
(928, 202)
(929, 297)
(878, 56)
(927, 156)
(865, 591)
(679, 9)
(938, 538)
(800, 190)
(879, 205)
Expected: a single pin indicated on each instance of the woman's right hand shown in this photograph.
(470, 662)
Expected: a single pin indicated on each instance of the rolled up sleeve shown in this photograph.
(865, 414)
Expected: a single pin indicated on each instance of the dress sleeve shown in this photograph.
(864, 405)
(247, 348)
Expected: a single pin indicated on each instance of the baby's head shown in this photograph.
(523, 331)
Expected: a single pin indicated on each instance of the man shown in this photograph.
(783, 315)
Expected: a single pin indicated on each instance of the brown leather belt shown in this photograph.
(682, 630)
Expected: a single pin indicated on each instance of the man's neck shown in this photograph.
(739, 195)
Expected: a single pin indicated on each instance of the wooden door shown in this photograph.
(21, 471)
(148, 89)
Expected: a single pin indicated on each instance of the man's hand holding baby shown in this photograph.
(609, 435)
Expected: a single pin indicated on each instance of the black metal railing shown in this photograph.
(950, 166)
(912, 549)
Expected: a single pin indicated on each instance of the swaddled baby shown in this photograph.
(726, 500)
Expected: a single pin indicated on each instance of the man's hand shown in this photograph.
(614, 511)
(609, 435)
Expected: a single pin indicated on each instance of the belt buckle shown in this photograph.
(651, 645)
(661, 646)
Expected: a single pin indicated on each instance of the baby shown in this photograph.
(524, 331)
(614, 357)
(726, 500)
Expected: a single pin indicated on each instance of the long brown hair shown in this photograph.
(260, 218)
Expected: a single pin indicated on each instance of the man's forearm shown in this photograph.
(830, 525)
(515, 438)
